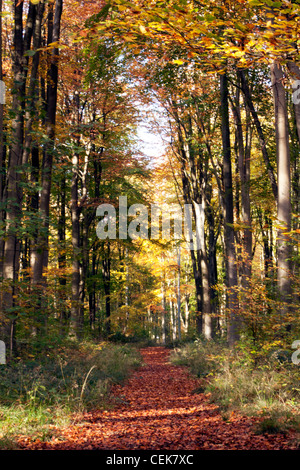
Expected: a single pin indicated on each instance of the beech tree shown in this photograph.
(78, 77)
(39, 255)
(284, 184)
(236, 35)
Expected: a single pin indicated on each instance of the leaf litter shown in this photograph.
(157, 409)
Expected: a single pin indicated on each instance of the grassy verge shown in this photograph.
(268, 388)
(41, 393)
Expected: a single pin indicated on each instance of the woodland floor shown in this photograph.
(157, 409)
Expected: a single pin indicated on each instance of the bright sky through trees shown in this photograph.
(151, 131)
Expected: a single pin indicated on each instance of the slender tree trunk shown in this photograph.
(173, 319)
(230, 252)
(294, 70)
(244, 177)
(163, 305)
(38, 14)
(13, 189)
(40, 254)
(284, 186)
(197, 183)
(266, 231)
(188, 200)
(107, 290)
(75, 324)
(198, 187)
(126, 289)
(92, 292)
(62, 258)
(187, 312)
(213, 236)
(2, 213)
(179, 294)
(196, 271)
(262, 140)
(206, 300)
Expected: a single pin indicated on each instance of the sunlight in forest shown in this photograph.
(149, 199)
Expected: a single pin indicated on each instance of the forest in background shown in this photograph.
(220, 84)
(217, 86)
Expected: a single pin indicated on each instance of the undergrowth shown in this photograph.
(267, 387)
(42, 393)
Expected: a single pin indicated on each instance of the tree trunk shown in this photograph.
(196, 271)
(106, 283)
(92, 293)
(262, 140)
(163, 305)
(38, 14)
(244, 178)
(62, 258)
(213, 235)
(189, 191)
(230, 252)
(40, 253)
(294, 70)
(75, 323)
(13, 188)
(1, 148)
(284, 187)
(179, 293)
(206, 300)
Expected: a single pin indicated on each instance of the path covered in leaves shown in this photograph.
(157, 410)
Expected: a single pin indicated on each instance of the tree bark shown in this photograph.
(206, 299)
(193, 184)
(40, 251)
(75, 324)
(244, 178)
(230, 252)
(13, 188)
(2, 213)
(284, 186)
(262, 140)
(106, 282)
(37, 14)
(294, 70)
(163, 304)
(62, 258)
(196, 271)
(179, 293)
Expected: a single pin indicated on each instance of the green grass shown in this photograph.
(201, 357)
(268, 389)
(40, 394)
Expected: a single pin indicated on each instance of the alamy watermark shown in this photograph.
(166, 222)
(296, 355)
(2, 92)
(2, 353)
(296, 91)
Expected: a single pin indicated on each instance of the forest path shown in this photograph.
(157, 410)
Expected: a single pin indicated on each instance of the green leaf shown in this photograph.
(29, 53)
(255, 3)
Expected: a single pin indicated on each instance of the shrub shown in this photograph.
(235, 381)
(37, 394)
(202, 357)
